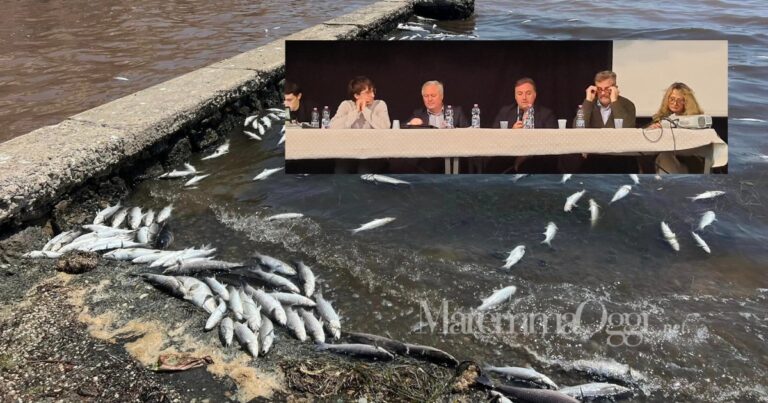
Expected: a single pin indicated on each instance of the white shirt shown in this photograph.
(605, 111)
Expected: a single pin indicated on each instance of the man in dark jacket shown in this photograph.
(292, 99)
(433, 112)
(525, 98)
(611, 105)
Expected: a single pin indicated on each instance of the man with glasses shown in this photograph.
(611, 105)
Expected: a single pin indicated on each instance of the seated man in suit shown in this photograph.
(602, 105)
(526, 114)
(433, 112)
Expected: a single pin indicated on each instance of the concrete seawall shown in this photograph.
(142, 132)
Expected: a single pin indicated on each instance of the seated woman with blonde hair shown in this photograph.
(678, 100)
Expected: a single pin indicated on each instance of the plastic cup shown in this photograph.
(561, 123)
(619, 123)
(504, 124)
(395, 124)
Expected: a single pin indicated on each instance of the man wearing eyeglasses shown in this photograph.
(610, 104)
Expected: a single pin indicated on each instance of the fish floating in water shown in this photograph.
(565, 178)
(221, 150)
(549, 233)
(635, 178)
(707, 195)
(597, 391)
(195, 180)
(498, 297)
(707, 219)
(266, 173)
(670, 236)
(284, 216)
(357, 350)
(373, 224)
(571, 201)
(700, 242)
(594, 212)
(383, 179)
(188, 170)
(621, 193)
(514, 256)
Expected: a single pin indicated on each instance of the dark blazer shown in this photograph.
(459, 118)
(543, 118)
(304, 113)
(621, 109)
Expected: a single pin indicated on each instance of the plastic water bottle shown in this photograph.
(528, 124)
(315, 119)
(580, 118)
(449, 117)
(326, 117)
(476, 117)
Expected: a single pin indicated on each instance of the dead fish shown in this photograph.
(549, 233)
(635, 178)
(594, 211)
(517, 177)
(135, 217)
(169, 284)
(275, 265)
(148, 218)
(266, 173)
(287, 298)
(226, 331)
(670, 236)
(376, 340)
(706, 219)
(383, 179)
(266, 122)
(431, 354)
(247, 339)
(105, 214)
(165, 213)
(597, 390)
(217, 315)
(525, 374)
(295, 324)
(329, 315)
(707, 195)
(235, 303)
(621, 193)
(195, 180)
(307, 278)
(250, 119)
(284, 216)
(700, 242)
(266, 334)
(498, 297)
(40, 254)
(571, 201)
(514, 256)
(565, 178)
(218, 288)
(252, 135)
(313, 326)
(357, 350)
(119, 217)
(268, 304)
(373, 224)
(221, 150)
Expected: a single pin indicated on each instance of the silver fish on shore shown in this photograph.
(198, 293)
(386, 343)
(357, 350)
(60, 239)
(247, 339)
(251, 311)
(128, 253)
(571, 201)
(266, 334)
(119, 217)
(549, 233)
(295, 324)
(700, 242)
(514, 256)
(135, 217)
(498, 297)
(103, 215)
(621, 193)
(164, 214)
(195, 180)
(217, 315)
(670, 236)
(269, 305)
(142, 235)
(42, 254)
(235, 304)
(169, 284)
(227, 331)
(707, 219)
(252, 135)
(221, 150)
(525, 374)
(275, 265)
(430, 354)
(707, 195)
(597, 390)
(313, 326)
(250, 119)
(594, 212)
(266, 173)
(218, 288)
(274, 280)
(498, 397)
(266, 122)
(329, 315)
(307, 278)
(200, 265)
(373, 224)
(287, 298)
(376, 178)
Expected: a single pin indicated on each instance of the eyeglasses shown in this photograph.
(678, 101)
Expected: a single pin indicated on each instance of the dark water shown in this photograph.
(59, 58)
(703, 336)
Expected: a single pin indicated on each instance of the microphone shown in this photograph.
(519, 114)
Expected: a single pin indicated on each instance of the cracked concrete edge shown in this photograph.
(41, 167)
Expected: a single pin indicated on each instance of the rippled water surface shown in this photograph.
(705, 316)
(59, 58)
